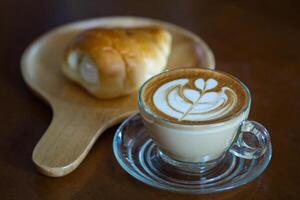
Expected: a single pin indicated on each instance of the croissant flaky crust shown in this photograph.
(114, 62)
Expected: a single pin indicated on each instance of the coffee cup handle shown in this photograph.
(252, 140)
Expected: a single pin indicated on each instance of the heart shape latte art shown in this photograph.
(201, 102)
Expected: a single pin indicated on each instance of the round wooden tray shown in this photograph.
(79, 118)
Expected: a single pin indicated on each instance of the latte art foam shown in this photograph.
(201, 103)
(194, 96)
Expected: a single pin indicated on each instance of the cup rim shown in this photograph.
(156, 117)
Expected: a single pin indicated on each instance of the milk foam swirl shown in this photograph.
(204, 101)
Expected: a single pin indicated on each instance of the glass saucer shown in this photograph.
(140, 157)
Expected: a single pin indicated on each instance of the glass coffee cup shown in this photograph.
(195, 116)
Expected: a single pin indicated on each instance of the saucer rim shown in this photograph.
(266, 160)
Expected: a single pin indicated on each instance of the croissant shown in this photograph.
(114, 62)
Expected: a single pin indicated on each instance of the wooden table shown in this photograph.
(257, 41)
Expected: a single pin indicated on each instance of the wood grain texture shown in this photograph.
(79, 118)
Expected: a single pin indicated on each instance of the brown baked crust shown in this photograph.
(122, 57)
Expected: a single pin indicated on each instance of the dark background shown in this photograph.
(257, 41)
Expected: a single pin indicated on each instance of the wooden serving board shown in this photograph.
(78, 117)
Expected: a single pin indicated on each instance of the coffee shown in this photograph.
(196, 115)
(194, 96)
(192, 114)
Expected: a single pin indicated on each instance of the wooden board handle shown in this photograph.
(70, 136)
